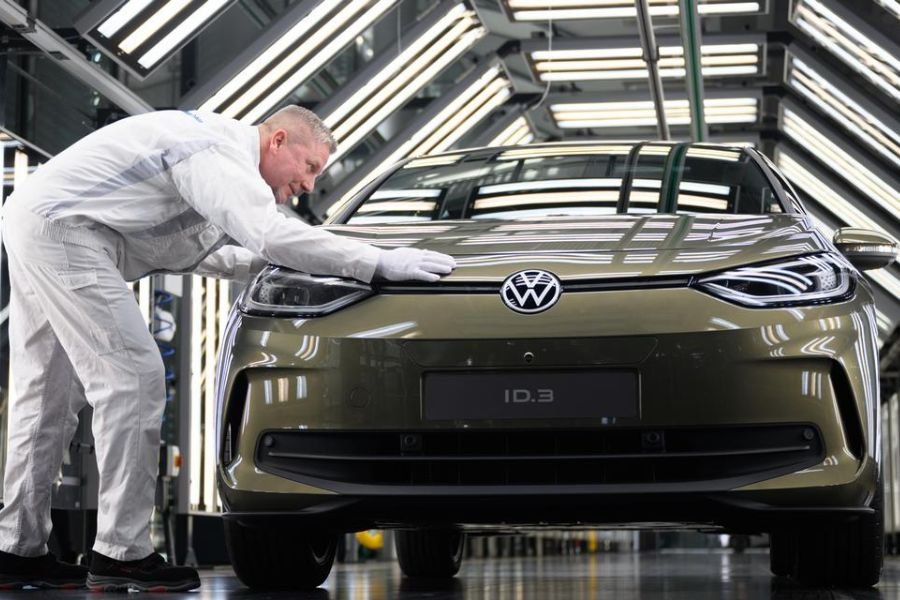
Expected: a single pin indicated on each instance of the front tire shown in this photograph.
(282, 557)
(429, 553)
(846, 554)
(782, 554)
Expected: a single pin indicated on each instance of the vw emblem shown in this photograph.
(531, 291)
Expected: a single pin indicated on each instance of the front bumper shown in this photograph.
(737, 513)
(361, 371)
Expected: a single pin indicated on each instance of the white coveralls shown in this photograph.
(164, 191)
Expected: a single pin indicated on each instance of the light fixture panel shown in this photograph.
(820, 141)
(517, 133)
(847, 108)
(285, 56)
(610, 115)
(563, 10)
(852, 41)
(822, 194)
(442, 124)
(585, 63)
(389, 82)
(140, 35)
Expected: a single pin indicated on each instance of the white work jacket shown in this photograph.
(181, 189)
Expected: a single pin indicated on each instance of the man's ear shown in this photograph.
(279, 137)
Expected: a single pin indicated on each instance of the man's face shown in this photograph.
(291, 168)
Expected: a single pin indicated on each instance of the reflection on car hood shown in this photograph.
(613, 246)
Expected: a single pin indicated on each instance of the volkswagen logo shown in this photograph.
(530, 291)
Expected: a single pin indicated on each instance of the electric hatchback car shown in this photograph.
(650, 333)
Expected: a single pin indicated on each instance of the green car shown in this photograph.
(639, 333)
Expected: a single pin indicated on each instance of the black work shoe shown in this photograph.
(44, 571)
(151, 574)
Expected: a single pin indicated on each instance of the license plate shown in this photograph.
(610, 394)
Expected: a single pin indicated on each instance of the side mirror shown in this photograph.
(864, 248)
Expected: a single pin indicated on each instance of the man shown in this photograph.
(166, 191)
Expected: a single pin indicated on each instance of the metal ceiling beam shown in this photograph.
(690, 36)
(71, 59)
(651, 57)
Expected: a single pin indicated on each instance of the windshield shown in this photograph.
(588, 180)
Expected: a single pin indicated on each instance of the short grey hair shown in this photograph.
(288, 117)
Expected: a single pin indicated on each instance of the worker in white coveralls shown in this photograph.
(167, 191)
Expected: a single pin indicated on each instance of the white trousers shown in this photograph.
(77, 335)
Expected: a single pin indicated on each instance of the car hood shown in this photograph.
(613, 246)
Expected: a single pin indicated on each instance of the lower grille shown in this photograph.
(543, 457)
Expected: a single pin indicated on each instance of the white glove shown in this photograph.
(407, 264)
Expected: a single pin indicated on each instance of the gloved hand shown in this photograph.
(407, 264)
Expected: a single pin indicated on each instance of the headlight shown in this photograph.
(816, 279)
(277, 291)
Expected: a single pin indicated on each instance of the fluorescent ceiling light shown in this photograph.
(845, 112)
(410, 52)
(629, 114)
(345, 25)
(517, 133)
(401, 79)
(840, 207)
(181, 33)
(295, 56)
(260, 63)
(886, 280)
(849, 44)
(457, 123)
(123, 15)
(152, 25)
(823, 194)
(140, 34)
(626, 63)
(841, 162)
(446, 127)
(542, 10)
(892, 6)
(598, 75)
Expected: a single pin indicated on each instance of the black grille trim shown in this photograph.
(584, 285)
(356, 460)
